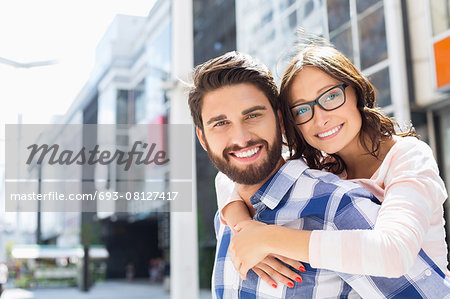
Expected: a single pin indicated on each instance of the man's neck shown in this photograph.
(247, 191)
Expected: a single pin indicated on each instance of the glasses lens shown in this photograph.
(302, 113)
(332, 99)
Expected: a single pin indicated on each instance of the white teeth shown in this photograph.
(248, 153)
(330, 132)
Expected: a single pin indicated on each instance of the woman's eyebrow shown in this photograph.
(318, 93)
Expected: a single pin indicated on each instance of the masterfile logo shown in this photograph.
(98, 168)
(93, 156)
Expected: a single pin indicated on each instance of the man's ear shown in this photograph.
(200, 137)
(280, 119)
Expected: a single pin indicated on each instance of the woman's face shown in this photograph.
(334, 131)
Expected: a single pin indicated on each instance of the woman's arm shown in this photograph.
(232, 208)
(413, 198)
(414, 194)
(233, 211)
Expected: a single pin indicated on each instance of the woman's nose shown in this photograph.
(321, 117)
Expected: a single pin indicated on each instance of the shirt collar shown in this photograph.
(276, 187)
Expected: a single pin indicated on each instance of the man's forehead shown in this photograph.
(233, 99)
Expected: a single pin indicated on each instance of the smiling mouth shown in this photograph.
(247, 153)
(330, 132)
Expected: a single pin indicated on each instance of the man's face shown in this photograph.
(241, 133)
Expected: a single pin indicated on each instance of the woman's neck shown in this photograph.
(362, 165)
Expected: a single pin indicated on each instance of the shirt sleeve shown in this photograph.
(226, 192)
(413, 193)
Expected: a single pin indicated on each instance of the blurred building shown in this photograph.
(214, 35)
(131, 84)
(133, 61)
(360, 29)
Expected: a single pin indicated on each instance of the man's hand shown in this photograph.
(248, 250)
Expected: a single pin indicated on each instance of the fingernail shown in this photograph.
(301, 268)
(274, 285)
(298, 279)
(290, 284)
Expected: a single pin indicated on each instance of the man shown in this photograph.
(234, 106)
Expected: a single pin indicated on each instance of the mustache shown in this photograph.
(235, 148)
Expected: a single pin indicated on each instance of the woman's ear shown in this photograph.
(200, 137)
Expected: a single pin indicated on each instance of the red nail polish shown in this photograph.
(274, 285)
(301, 268)
(290, 284)
(298, 279)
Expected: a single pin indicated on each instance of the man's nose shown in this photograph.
(240, 135)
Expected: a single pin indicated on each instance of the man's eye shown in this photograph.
(254, 115)
(220, 123)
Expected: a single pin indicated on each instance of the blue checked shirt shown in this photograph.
(302, 198)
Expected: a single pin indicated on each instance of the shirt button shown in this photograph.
(428, 272)
(235, 285)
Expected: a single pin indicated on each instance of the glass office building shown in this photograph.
(267, 30)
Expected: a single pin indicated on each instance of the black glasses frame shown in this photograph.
(316, 102)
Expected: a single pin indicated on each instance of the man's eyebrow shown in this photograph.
(216, 118)
(247, 111)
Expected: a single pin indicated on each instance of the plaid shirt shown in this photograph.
(302, 198)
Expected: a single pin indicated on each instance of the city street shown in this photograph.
(112, 289)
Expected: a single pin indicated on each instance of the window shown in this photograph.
(139, 102)
(343, 42)
(381, 82)
(440, 15)
(362, 5)
(372, 37)
(122, 107)
(293, 20)
(338, 13)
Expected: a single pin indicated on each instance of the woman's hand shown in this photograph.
(249, 250)
(247, 247)
(271, 269)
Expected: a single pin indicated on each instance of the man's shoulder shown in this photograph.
(322, 181)
(334, 200)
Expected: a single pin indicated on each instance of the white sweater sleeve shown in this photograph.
(226, 192)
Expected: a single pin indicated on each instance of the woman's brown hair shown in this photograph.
(375, 128)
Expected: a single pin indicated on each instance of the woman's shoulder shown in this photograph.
(407, 154)
(410, 145)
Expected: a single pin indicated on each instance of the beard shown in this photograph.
(251, 174)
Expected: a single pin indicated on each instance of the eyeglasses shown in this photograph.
(331, 99)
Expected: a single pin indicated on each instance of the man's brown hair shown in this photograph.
(229, 69)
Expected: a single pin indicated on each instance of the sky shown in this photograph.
(64, 30)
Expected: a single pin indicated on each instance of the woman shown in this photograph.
(331, 121)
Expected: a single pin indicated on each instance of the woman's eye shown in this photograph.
(331, 96)
(302, 110)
